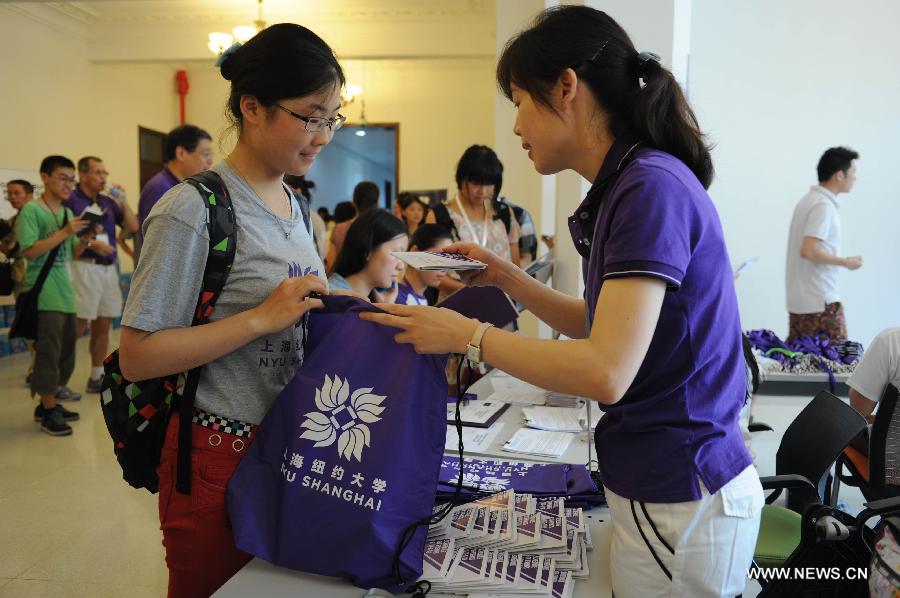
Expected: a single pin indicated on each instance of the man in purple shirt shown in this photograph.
(95, 276)
(188, 151)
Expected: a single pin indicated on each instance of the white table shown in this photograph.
(262, 579)
(513, 420)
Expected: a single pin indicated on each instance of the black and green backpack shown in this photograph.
(137, 413)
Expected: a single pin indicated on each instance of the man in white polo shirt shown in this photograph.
(813, 257)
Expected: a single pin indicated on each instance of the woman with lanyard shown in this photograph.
(656, 341)
(476, 215)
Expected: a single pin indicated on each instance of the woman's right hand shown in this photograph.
(287, 303)
(498, 270)
(75, 226)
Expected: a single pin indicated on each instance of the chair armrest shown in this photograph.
(884, 505)
(781, 482)
(876, 508)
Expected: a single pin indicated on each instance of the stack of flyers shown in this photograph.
(434, 260)
(508, 544)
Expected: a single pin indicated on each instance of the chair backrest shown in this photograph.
(884, 446)
(813, 442)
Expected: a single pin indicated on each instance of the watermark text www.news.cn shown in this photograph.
(809, 573)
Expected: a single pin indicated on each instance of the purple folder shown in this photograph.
(485, 304)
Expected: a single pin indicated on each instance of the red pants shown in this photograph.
(200, 551)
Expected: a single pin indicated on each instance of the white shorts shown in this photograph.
(713, 540)
(97, 292)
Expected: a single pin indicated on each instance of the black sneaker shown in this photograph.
(69, 416)
(95, 385)
(52, 423)
(64, 393)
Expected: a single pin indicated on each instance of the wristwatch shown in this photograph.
(473, 349)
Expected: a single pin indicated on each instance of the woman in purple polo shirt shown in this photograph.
(656, 340)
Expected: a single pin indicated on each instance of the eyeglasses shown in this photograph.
(316, 124)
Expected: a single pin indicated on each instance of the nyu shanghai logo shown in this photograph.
(296, 270)
(342, 416)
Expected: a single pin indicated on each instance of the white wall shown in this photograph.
(774, 84)
(56, 102)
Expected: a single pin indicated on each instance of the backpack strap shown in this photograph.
(503, 213)
(38, 285)
(222, 230)
(304, 210)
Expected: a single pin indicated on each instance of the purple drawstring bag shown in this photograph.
(347, 458)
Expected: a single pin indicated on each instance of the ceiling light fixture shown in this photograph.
(350, 92)
(219, 42)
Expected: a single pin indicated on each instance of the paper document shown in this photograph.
(476, 440)
(554, 419)
(427, 260)
(513, 390)
(538, 442)
(93, 214)
(745, 265)
(536, 397)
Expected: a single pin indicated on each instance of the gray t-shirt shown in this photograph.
(243, 384)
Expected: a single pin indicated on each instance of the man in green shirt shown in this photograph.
(42, 225)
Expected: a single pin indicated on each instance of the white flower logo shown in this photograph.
(494, 484)
(488, 484)
(342, 420)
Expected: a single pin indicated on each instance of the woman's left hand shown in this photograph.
(429, 329)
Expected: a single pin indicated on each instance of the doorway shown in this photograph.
(152, 153)
(357, 153)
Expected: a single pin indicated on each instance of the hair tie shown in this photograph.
(228, 52)
(648, 62)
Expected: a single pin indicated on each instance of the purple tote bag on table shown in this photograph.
(348, 456)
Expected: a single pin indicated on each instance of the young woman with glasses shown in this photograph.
(284, 102)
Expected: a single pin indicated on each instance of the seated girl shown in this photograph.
(412, 210)
(365, 265)
(416, 284)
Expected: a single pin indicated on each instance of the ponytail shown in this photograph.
(661, 117)
(639, 95)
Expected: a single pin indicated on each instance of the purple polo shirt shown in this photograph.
(648, 215)
(153, 190)
(78, 202)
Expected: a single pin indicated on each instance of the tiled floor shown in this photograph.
(69, 525)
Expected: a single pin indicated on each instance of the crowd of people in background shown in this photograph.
(90, 221)
(84, 280)
(641, 295)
